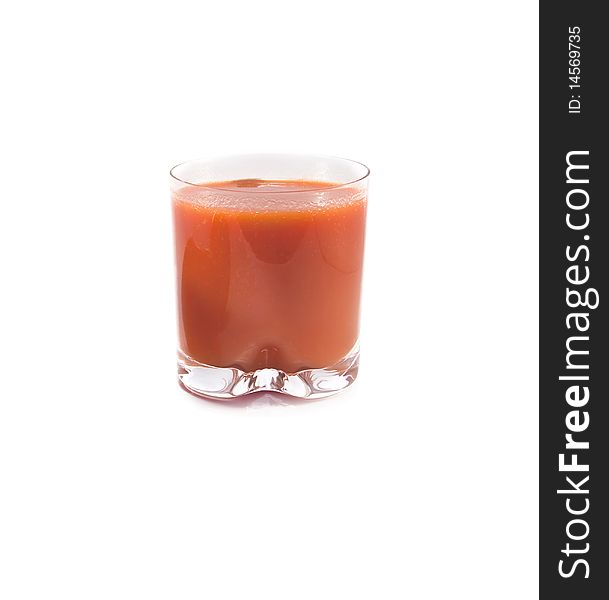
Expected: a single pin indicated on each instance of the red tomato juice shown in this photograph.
(269, 272)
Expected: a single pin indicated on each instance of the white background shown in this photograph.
(117, 484)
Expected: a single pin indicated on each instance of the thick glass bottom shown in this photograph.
(227, 383)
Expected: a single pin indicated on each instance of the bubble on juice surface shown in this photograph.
(269, 196)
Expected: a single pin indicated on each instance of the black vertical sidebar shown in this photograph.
(574, 302)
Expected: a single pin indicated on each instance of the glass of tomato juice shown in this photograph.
(269, 251)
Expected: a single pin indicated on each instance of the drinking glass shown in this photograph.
(269, 252)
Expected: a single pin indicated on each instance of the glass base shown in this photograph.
(227, 383)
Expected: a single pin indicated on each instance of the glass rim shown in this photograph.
(209, 186)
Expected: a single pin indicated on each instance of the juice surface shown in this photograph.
(268, 278)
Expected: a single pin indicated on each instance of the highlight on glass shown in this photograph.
(269, 252)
